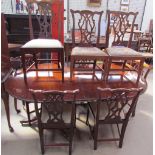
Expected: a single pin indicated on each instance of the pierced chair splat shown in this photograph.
(113, 106)
(120, 53)
(44, 45)
(85, 34)
(55, 114)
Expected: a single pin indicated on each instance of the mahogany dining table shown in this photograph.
(42, 80)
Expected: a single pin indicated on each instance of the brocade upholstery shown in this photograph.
(43, 43)
(122, 51)
(87, 51)
(147, 55)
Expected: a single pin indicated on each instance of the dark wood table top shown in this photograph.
(16, 86)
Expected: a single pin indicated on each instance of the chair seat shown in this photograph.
(87, 51)
(147, 54)
(43, 43)
(122, 51)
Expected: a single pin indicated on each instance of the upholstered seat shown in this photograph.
(122, 51)
(87, 51)
(43, 43)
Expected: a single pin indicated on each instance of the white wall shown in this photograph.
(147, 15)
(134, 6)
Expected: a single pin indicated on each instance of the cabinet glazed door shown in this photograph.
(58, 22)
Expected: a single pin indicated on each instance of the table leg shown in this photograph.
(5, 98)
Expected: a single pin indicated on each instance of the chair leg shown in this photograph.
(94, 65)
(28, 113)
(95, 136)
(71, 68)
(35, 60)
(15, 104)
(59, 60)
(41, 141)
(70, 141)
(87, 119)
(134, 110)
(122, 134)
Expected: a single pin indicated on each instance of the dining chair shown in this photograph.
(85, 52)
(42, 45)
(145, 45)
(145, 42)
(113, 106)
(120, 52)
(56, 114)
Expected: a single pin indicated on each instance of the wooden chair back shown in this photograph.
(120, 22)
(118, 101)
(86, 27)
(41, 11)
(53, 104)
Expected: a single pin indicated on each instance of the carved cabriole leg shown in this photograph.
(5, 98)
